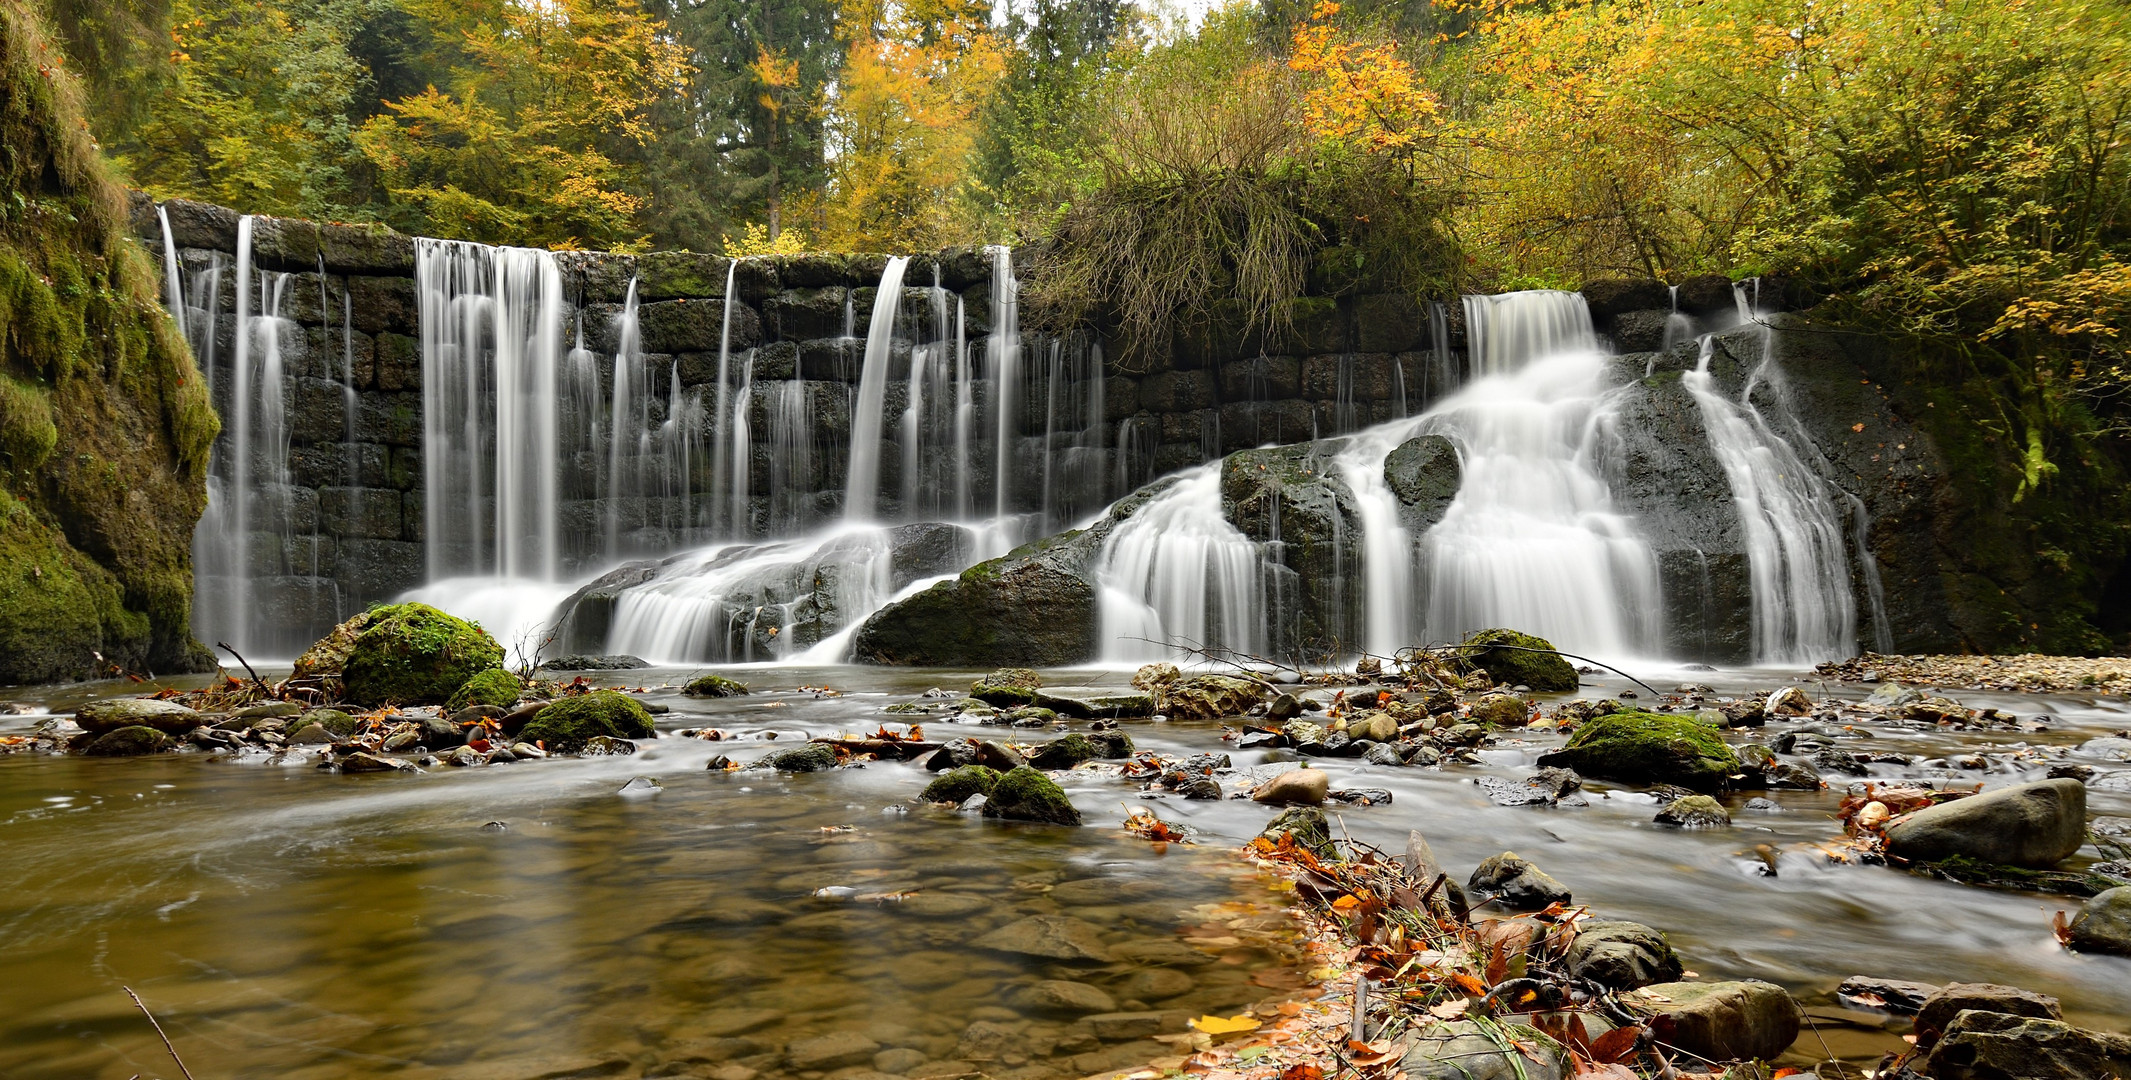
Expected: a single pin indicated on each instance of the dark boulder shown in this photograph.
(1648, 748)
(130, 742)
(2035, 826)
(1518, 659)
(1981, 1045)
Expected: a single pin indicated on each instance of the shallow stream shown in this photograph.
(528, 920)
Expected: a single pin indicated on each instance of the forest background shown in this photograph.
(1947, 176)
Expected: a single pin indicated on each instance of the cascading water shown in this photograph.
(862, 485)
(1176, 573)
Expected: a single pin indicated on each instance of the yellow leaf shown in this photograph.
(1214, 1025)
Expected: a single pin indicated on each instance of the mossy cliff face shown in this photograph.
(104, 422)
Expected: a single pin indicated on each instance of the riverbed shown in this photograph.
(532, 920)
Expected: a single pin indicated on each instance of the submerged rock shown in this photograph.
(1061, 997)
(413, 654)
(1295, 787)
(1622, 955)
(1025, 794)
(1054, 937)
(1517, 659)
(1516, 884)
(1642, 748)
(2104, 923)
(168, 717)
(2035, 826)
(714, 686)
(565, 726)
(1726, 1021)
(131, 741)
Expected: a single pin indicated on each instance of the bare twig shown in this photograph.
(143, 1006)
(261, 683)
(1557, 652)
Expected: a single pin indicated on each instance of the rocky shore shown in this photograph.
(2026, 673)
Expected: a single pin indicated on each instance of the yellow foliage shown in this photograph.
(755, 240)
(1363, 94)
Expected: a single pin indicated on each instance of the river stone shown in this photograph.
(832, 1051)
(957, 785)
(1898, 996)
(1025, 794)
(1516, 884)
(1059, 997)
(310, 735)
(1643, 748)
(337, 722)
(438, 734)
(1162, 952)
(2034, 825)
(1726, 1021)
(131, 741)
(1953, 999)
(1065, 752)
(2104, 923)
(1212, 697)
(2108, 748)
(899, 1060)
(1502, 710)
(1467, 1050)
(1308, 826)
(1508, 658)
(1789, 701)
(1154, 984)
(1622, 955)
(362, 761)
(1295, 787)
(1383, 753)
(1980, 1045)
(1378, 726)
(168, 717)
(813, 757)
(1694, 812)
(1056, 937)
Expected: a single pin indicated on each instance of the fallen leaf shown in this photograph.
(1215, 1025)
(1450, 1010)
(1607, 1071)
(1616, 1045)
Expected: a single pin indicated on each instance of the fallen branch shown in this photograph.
(256, 680)
(151, 1016)
(1557, 652)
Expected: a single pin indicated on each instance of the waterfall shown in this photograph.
(1176, 573)
(733, 414)
(1504, 332)
(1798, 572)
(173, 284)
(1004, 347)
(627, 426)
(862, 483)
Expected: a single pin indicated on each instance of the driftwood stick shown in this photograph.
(151, 1016)
(256, 680)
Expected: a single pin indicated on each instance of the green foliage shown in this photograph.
(495, 687)
(568, 724)
(413, 654)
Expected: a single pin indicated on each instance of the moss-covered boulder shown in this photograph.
(495, 687)
(713, 686)
(1502, 710)
(1519, 660)
(1212, 697)
(413, 654)
(165, 716)
(1309, 828)
(130, 742)
(1025, 794)
(1008, 687)
(1065, 752)
(813, 757)
(957, 785)
(337, 723)
(328, 656)
(567, 725)
(1648, 748)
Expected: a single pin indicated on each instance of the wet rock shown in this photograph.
(1376, 727)
(1033, 605)
(1979, 1045)
(957, 785)
(266, 709)
(1695, 812)
(1282, 708)
(1897, 996)
(2108, 748)
(1642, 747)
(1212, 697)
(1308, 826)
(1383, 754)
(131, 741)
(1937, 710)
(1545, 786)
(168, 717)
(641, 787)
(516, 721)
(607, 746)
(713, 686)
(898, 1061)
(832, 1051)
(1938, 1011)
(1025, 794)
(1622, 955)
(1054, 937)
(1726, 1021)
(1065, 752)
(2104, 923)
(581, 662)
(362, 761)
(1517, 659)
(1008, 687)
(338, 723)
(2035, 826)
(1789, 701)
(1837, 760)
(1893, 695)
(1201, 788)
(1469, 1050)
(1154, 984)
(495, 687)
(1502, 710)
(813, 757)
(413, 654)
(1059, 997)
(1296, 787)
(310, 735)
(1516, 884)
(438, 734)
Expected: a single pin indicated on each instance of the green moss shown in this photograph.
(27, 433)
(1065, 752)
(58, 608)
(1643, 747)
(812, 757)
(413, 654)
(1308, 826)
(337, 723)
(495, 687)
(1519, 660)
(957, 785)
(567, 725)
(713, 686)
(130, 742)
(1025, 794)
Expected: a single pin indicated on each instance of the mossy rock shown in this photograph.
(130, 742)
(1308, 826)
(957, 785)
(1507, 657)
(713, 686)
(1649, 748)
(567, 725)
(1212, 697)
(813, 757)
(337, 723)
(413, 654)
(495, 687)
(328, 656)
(1008, 687)
(1065, 752)
(1025, 794)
